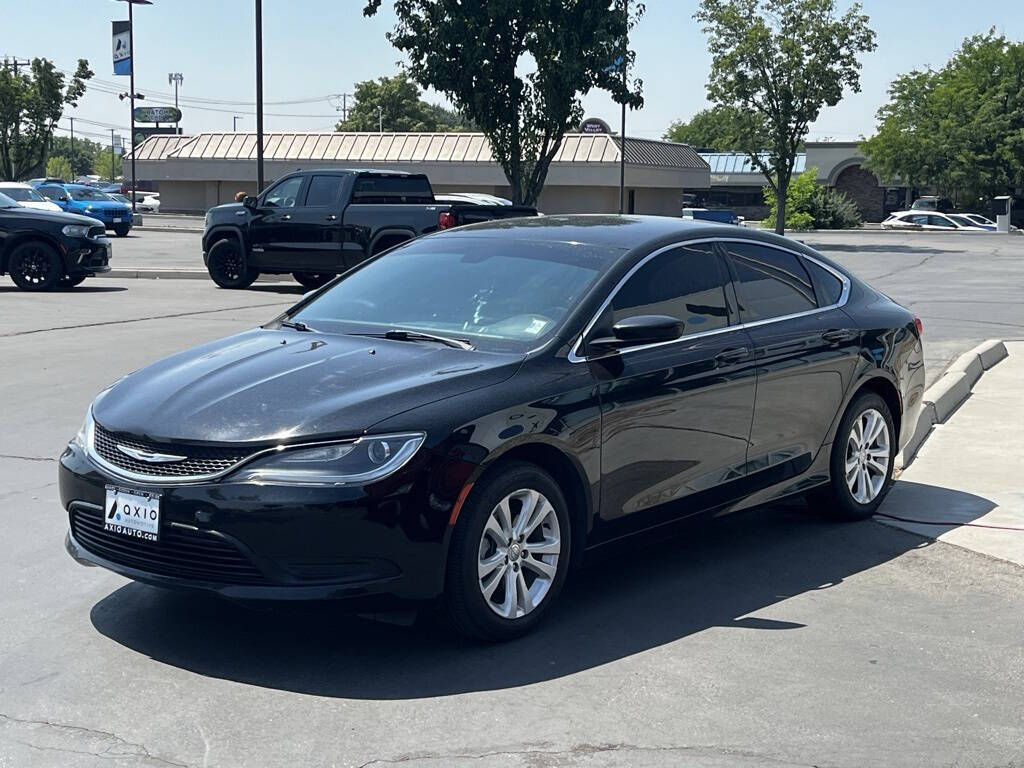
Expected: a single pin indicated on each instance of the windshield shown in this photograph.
(499, 294)
(24, 194)
(88, 194)
(6, 202)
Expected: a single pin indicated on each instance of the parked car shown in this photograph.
(470, 415)
(316, 224)
(472, 198)
(113, 188)
(88, 201)
(27, 195)
(723, 215)
(136, 217)
(42, 249)
(930, 221)
(933, 203)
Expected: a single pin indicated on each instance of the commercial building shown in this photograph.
(737, 184)
(194, 173)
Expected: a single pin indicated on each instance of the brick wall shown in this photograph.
(861, 186)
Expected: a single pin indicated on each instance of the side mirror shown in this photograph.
(250, 202)
(642, 329)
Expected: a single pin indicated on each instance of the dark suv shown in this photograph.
(41, 250)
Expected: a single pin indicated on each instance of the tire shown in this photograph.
(536, 579)
(839, 499)
(35, 266)
(227, 267)
(312, 280)
(70, 282)
(121, 231)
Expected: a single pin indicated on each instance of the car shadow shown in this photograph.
(715, 575)
(75, 289)
(279, 288)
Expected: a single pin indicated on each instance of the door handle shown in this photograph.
(732, 355)
(285, 217)
(332, 217)
(837, 335)
(240, 213)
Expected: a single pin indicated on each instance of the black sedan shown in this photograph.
(466, 416)
(41, 250)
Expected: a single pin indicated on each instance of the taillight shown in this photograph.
(918, 325)
(446, 220)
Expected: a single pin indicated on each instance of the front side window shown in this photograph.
(498, 294)
(686, 283)
(769, 282)
(283, 195)
(941, 221)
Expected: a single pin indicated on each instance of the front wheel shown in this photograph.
(227, 266)
(509, 553)
(122, 231)
(312, 279)
(861, 462)
(35, 266)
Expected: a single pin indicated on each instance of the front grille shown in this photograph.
(200, 460)
(180, 553)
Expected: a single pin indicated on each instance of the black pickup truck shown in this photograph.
(316, 224)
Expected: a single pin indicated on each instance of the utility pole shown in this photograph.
(72, 179)
(177, 78)
(15, 63)
(259, 96)
(234, 122)
(344, 105)
(380, 119)
(112, 160)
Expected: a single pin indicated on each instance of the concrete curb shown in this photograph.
(158, 274)
(185, 230)
(949, 392)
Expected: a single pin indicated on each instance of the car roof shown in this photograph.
(19, 184)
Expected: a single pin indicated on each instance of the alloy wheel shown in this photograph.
(519, 552)
(35, 266)
(229, 265)
(867, 456)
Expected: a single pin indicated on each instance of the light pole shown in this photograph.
(380, 119)
(131, 86)
(259, 96)
(177, 78)
(72, 179)
(112, 160)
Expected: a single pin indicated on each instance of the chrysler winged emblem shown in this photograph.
(149, 456)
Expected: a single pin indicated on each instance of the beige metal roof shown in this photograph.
(409, 148)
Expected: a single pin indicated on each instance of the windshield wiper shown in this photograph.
(400, 335)
(298, 325)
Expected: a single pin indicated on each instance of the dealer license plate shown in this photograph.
(131, 513)
(117, 219)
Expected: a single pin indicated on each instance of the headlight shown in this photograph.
(360, 461)
(76, 230)
(84, 436)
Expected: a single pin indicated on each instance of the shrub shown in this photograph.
(832, 209)
(812, 206)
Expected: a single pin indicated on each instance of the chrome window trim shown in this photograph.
(844, 295)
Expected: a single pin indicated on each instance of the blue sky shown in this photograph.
(317, 47)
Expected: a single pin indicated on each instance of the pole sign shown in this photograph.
(122, 48)
(595, 125)
(157, 114)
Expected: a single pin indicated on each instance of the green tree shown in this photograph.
(959, 128)
(811, 205)
(476, 53)
(59, 168)
(31, 103)
(396, 102)
(85, 152)
(721, 129)
(782, 61)
(107, 166)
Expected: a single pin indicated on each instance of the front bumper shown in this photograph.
(87, 256)
(262, 542)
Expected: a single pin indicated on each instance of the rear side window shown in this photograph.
(941, 221)
(392, 189)
(323, 190)
(827, 286)
(769, 282)
(686, 283)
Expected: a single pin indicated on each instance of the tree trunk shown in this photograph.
(780, 206)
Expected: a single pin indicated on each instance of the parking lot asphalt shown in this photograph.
(771, 638)
(965, 287)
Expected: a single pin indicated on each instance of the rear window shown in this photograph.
(392, 189)
(323, 190)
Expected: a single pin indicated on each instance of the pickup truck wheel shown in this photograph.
(35, 266)
(227, 267)
(312, 279)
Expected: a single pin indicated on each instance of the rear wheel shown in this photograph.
(312, 279)
(861, 463)
(122, 231)
(227, 265)
(35, 266)
(509, 553)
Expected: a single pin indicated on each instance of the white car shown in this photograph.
(150, 203)
(931, 221)
(27, 196)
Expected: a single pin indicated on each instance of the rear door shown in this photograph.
(275, 235)
(316, 224)
(806, 349)
(675, 415)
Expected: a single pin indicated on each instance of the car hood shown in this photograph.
(103, 205)
(57, 217)
(284, 386)
(39, 206)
